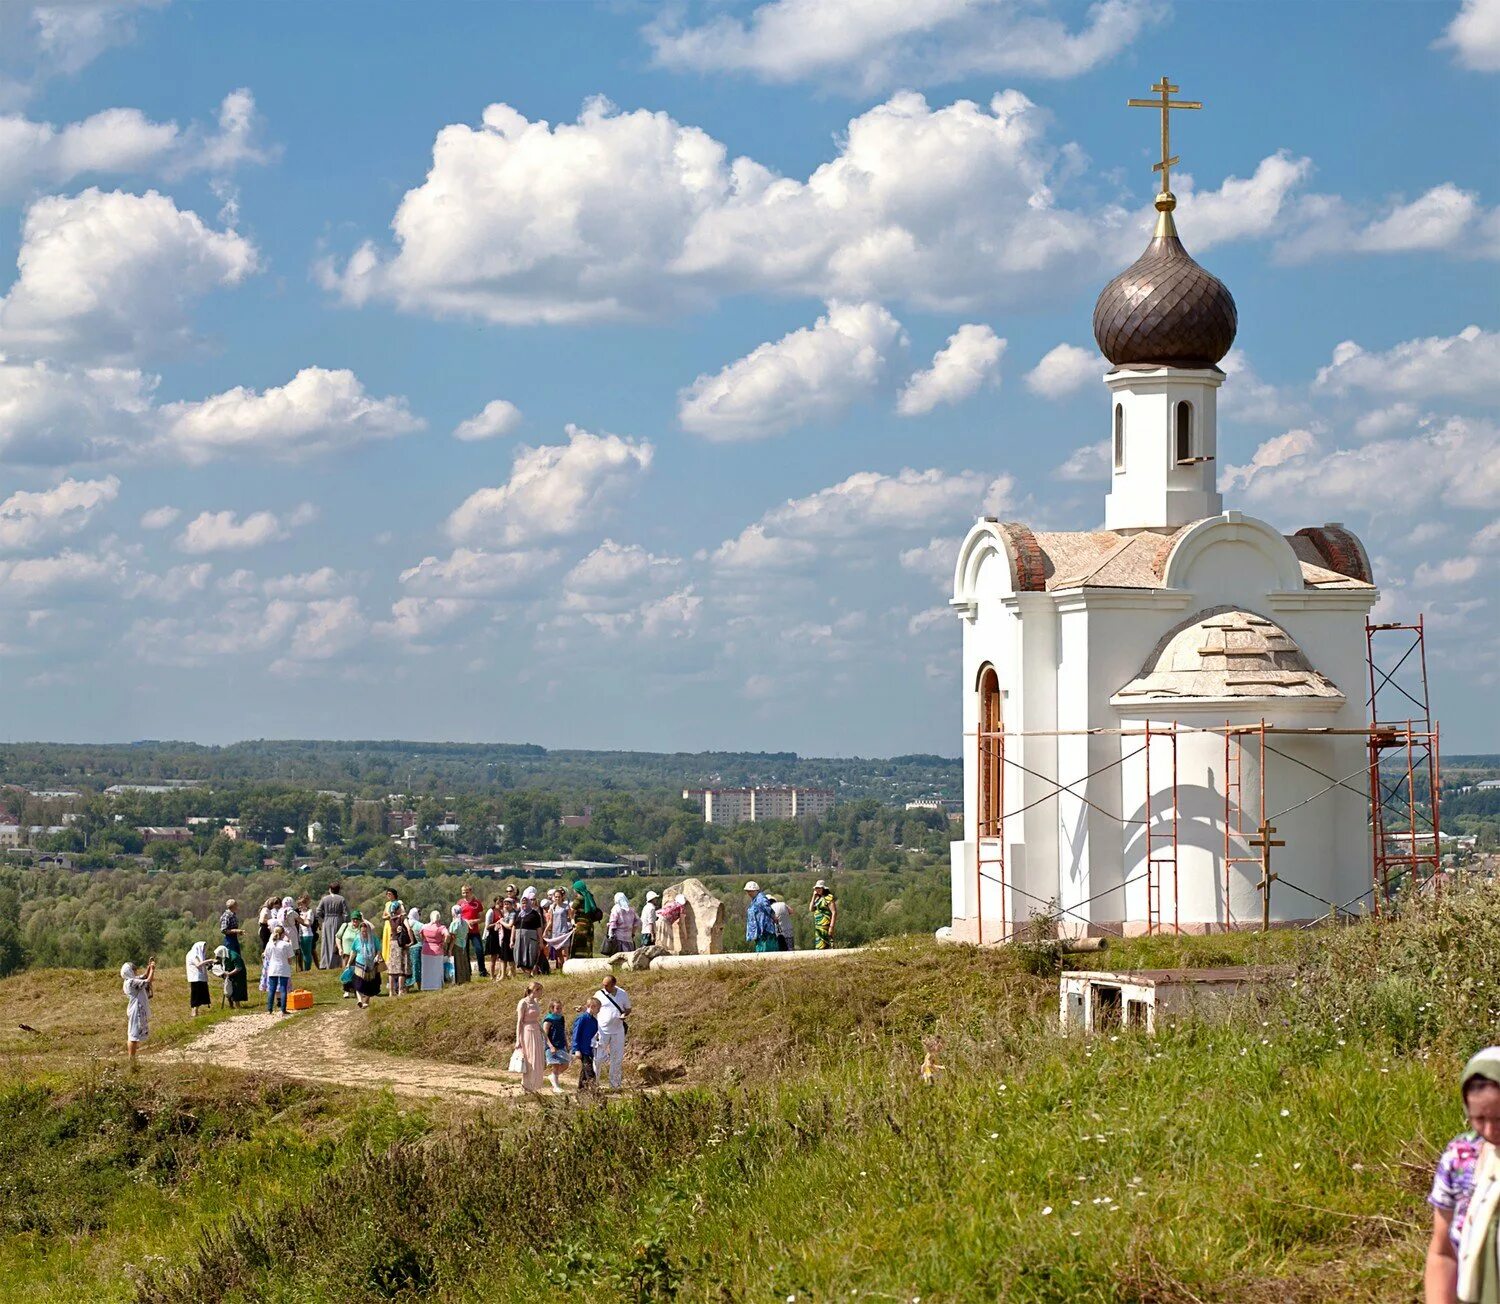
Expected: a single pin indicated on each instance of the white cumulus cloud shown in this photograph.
(159, 518)
(317, 411)
(110, 276)
(227, 531)
(476, 573)
(969, 359)
(1474, 35)
(1064, 370)
(1463, 366)
(812, 374)
(495, 420)
(878, 43)
(554, 490)
(28, 519)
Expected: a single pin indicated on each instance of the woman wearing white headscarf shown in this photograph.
(434, 942)
(528, 933)
(137, 991)
(622, 926)
(197, 966)
(1463, 1258)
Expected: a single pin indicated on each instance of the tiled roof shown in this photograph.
(1109, 559)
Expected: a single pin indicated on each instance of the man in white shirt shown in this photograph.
(609, 1049)
(783, 915)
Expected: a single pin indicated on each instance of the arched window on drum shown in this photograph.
(991, 753)
(1184, 433)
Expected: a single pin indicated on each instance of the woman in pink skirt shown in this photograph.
(529, 1038)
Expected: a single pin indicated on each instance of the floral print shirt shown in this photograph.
(1453, 1185)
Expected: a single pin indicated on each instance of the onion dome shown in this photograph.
(1164, 310)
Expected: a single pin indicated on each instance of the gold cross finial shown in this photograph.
(1166, 201)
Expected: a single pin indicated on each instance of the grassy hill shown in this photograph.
(1281, 1153)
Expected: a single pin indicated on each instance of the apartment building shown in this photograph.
(735, 805)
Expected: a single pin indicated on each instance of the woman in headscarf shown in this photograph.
(434, 942)
(622, 925)
(235, 970)
(458, 946)
(396, 942)
(1463, 1257)
(414, 926)
(304, 933)
(137, 991)
(344, 942)
(586, 914)
(497, 942)
(197, 966)
(264, 920)
(559, 928)
(365, 959)
(528, 933)
(392, 911)
(529, 1038)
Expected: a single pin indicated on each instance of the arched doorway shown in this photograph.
(991, 754)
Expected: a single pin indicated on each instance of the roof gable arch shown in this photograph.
(1197, 555)
(1026, 565)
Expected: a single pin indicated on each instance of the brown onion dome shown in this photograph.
(1164, 310)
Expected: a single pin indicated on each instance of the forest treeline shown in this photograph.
(376, 767)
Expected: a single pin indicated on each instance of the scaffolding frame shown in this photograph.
(1393, 868)
(1414, 740)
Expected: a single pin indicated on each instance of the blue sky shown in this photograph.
(622, 376)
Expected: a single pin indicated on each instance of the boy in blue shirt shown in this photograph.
(585, 1032)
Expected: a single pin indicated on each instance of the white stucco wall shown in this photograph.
(1061, 656)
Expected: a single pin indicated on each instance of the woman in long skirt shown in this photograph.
(493, 936)
(434, 943)
(528, 933)
(508, 907)
(458, 947)
(529, 1038)
(138, 1010)
(365, 959)
(197, 977)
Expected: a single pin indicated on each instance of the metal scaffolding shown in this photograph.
(1404, 834)
(1404, 838)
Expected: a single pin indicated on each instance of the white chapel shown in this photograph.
(1139, 698)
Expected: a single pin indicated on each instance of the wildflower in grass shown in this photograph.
(1286, 1113)
(1046, 1209)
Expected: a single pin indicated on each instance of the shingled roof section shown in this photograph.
(1340, 550)
(1330, 557)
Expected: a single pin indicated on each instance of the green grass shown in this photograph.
(1280, 1154)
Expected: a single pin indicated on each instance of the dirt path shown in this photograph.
(319, 1047)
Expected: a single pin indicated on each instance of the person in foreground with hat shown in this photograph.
(824, 909)
(648, 920)
(1463, 1257)
(760, 920)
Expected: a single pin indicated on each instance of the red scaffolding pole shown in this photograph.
(1405, 805)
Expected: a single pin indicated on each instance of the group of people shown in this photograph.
(768, 919)
(519, 932)
(546, 1045)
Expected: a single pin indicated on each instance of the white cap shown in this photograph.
(752, 886)
(651, 896)
(822, 882)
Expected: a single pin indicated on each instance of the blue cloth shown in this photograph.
(585, 1030)
(760, 920)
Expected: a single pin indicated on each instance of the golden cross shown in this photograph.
(1166, 104)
